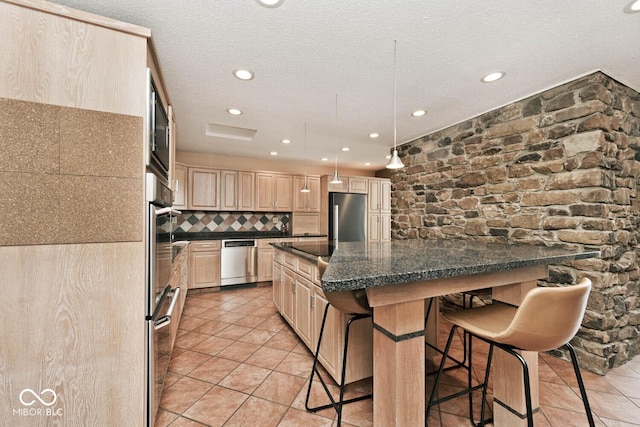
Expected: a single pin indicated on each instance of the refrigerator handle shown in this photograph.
(335, 222)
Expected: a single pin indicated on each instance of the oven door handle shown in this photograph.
(166, 319)
(167, 211)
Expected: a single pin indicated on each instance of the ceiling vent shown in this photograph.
(230, 132)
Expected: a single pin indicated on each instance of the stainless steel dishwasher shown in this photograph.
(239, 262)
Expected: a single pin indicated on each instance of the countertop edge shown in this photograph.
(363, 282)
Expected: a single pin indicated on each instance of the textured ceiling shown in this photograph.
(306, 52)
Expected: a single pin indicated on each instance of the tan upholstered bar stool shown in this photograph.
(355, 304)
(548, 318)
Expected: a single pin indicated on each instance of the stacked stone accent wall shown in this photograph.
(560, 168)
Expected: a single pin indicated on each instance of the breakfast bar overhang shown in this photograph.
(399, 275)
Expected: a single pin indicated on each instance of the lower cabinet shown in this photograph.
(204, 260)
(298, 295)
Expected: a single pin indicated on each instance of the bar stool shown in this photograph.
(353, 303)
(547, 319)
(478, 293)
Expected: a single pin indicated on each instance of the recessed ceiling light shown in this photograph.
(286, 141)
(374, 135)
(324, 159)
(632, 7)
(419, 113)
(492, 77)
(345, 148)
(234, 111)
(273, 153)
(243, 74)
(367, 164)
(270, 3)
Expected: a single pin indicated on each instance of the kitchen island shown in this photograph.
(399, 275)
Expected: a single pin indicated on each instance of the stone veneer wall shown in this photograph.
(558, 168)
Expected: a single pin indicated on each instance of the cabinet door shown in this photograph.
(246, 190)
(342, 187)
(385, 196)
(228, 190)
(358, 184)
(306, 202)
(374, 195)
(265, 265)
(373, 227)
(385, 227)
(264, 197)
(299, 198)
(205, 269)
(283, 192)
(204, 189)
(277, 285)
(330, 347)
(288, 293)
(180, 187)
(303, 302)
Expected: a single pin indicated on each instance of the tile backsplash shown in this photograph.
(197, 221)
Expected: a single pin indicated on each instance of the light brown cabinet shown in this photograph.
(379, 210)
(306, 202)
(237, 190)
(274, 192)
(204, 262)
(379, 195)
(349, 184)
(265, 260)
(204, 189)
(302, 302)
(180, 186)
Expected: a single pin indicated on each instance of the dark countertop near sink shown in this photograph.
(211, 235)
(359, 265)
(308, 251)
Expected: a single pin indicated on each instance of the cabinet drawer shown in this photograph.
(277, 256)
(205, 245)
(290, 261)
(266, 243)
(305, 269)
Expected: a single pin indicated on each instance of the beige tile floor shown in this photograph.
(237, 363)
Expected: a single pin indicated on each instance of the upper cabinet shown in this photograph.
(180, 186)
(237, 190)
(379, 195)
(306, 202)
(273, 192)
(379, 210)
(204, 189)
(349, 184)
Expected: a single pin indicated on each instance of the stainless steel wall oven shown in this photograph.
(160, 297)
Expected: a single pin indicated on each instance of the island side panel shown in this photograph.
(398, 364)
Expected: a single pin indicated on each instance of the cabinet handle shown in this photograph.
(311, 301)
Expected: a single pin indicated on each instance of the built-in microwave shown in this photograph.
(158, 147)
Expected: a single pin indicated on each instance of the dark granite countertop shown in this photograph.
(308, 251)
(359, 265)
(217, 235)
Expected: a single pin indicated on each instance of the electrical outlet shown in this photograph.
(275, 220)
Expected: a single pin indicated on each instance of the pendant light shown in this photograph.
(394, 162)
(336, 178)
(305, 187)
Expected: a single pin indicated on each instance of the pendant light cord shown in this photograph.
(395, 43)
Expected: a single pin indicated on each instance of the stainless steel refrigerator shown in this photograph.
(347, 217)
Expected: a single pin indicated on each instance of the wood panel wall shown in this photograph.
(73, 314)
